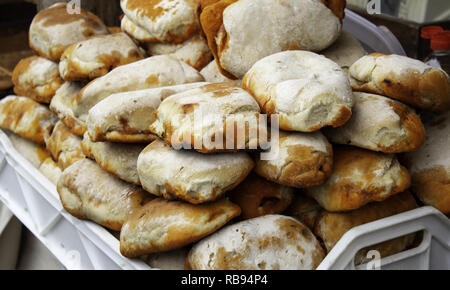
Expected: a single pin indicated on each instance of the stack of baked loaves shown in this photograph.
(123, 140)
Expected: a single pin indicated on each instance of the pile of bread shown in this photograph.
(107, 115)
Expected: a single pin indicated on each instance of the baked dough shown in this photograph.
(34, 153)
(330, 227)
(190, 176)
(257, 197)
(211, 118)
(360, 177)
(96, 56)
(163, 225)
(404, 79)
(430, 165)
(304, 160)
(168, 21)
(271, 242)
(307, 90)
(54, 29)
(194, 51)
(242, 32)
(26, 118)
(345, 51)
(37, 78)
(51, 170)
(64, 146)
(380, 124)
(212, 74)
(173, 260)
(304, 209)
(152, 72)
(88, 192)
(117, 159)
(126, 117)
(135, 31)
(62, 106)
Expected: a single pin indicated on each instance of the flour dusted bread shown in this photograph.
(96, 56)
(271, 242)
(172, 260)
(304, 209)
(64, 146)
(167, 21)
(118, 159)
(345, 51)
(54, 29)
(26, 118)
(212, 74)
(152, 72)
(330, 227)
(211, 118)
(63, 104)
(404, 79)
(380, 124)
(430, 165)
(33, 152)
(188, 175)
(51, 170)
(306, 90)
(194, 51)
(257, 197)
(126, 117)
(270, 26)
(162, 225)
(303, 160)
(360, 177)
(88, 192)
(37, 78)
(138, 33)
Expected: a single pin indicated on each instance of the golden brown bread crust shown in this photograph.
(168, 225)
(432, 186)
(330, 227)
(360, 177)
(257, 197)
(29, 89)
(428, 91)
(337, 6)
(304, 209)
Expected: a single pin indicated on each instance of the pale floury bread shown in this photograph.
(64, 146)
(54, 29)
(162, 225)
(345, 51)
(126, 117)
(271, 242)
(33, 152)
(404, 79)
(37, 78)
(168, 21)
(88, 192)
(211, 118)
(430, 165)
(26, 118)
(152, 72)
(305, 209)
(380, 124)
(270, 26)
(96, 56)
(51, 170)
(194, 51)
(172, 260)
(303, 160)
(212, 74)
(135, 31)
(330, 227)
(118, 159)
(188, 175)
(306, 90)
(62, 106)
(360, 177)
(257, 197)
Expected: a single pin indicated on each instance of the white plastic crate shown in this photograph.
(84, 245)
